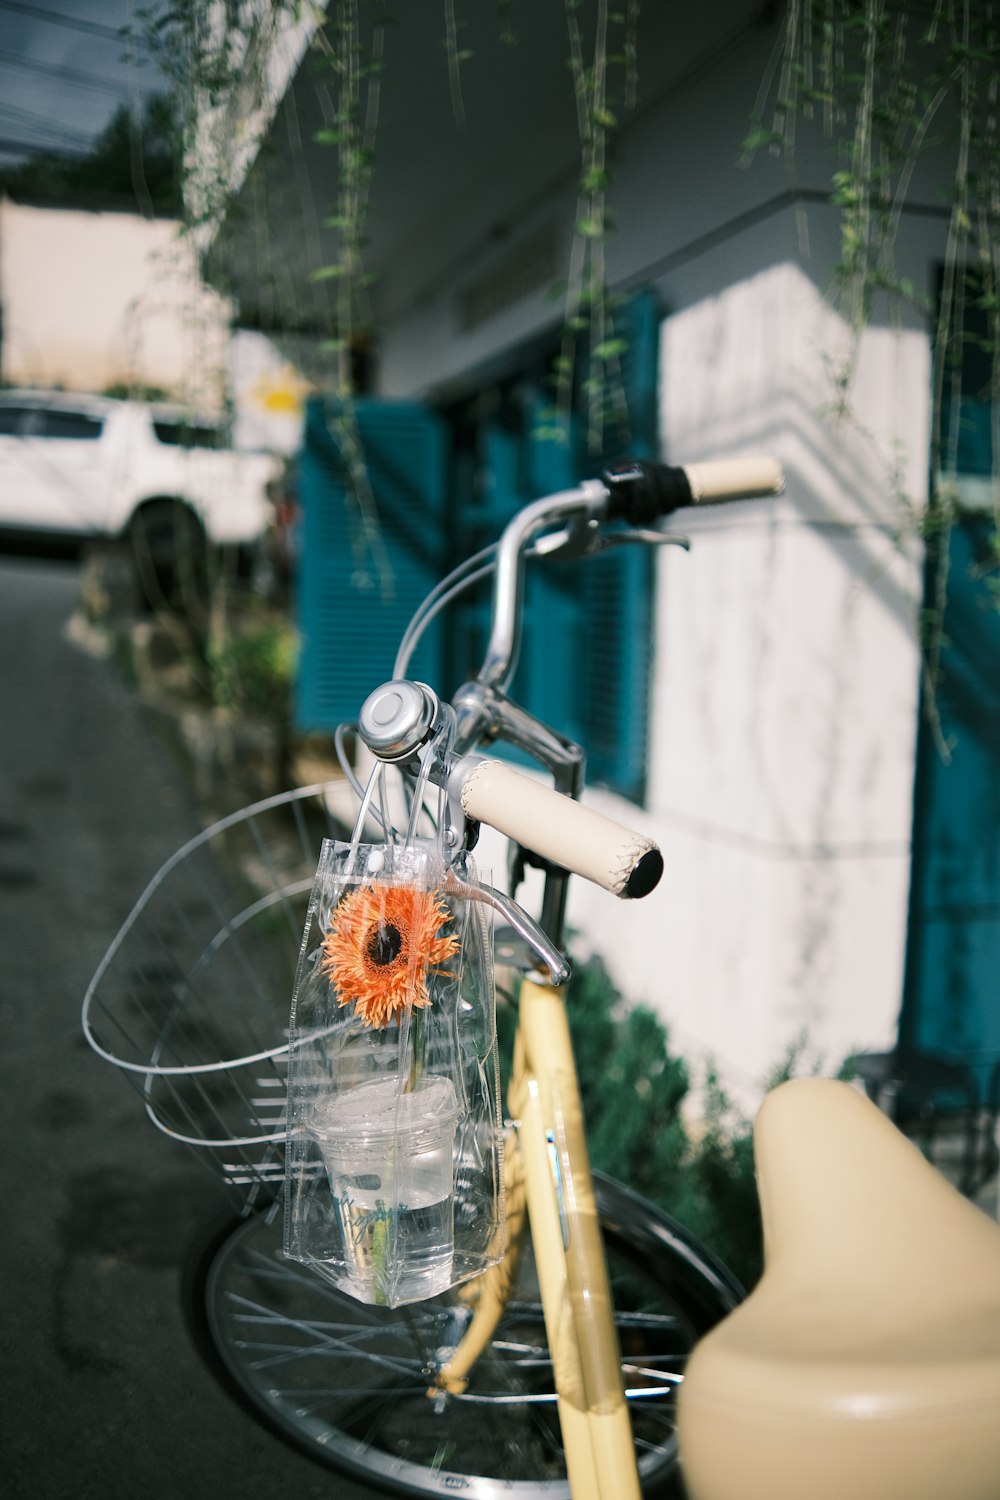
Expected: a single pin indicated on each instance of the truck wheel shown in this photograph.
(170, 553)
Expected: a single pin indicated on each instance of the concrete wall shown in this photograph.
(91, 300)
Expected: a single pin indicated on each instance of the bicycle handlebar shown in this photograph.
(557, 828)
(633, 491)
(400, 717)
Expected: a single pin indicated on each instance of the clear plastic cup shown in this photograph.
(389, 1155)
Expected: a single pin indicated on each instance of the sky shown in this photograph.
(64, 70)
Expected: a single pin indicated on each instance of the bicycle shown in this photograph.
(558, 1374)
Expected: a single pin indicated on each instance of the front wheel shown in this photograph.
(349, 1383)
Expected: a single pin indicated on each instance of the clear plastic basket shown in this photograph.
(192, 998)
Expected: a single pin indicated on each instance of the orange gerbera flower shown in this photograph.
(385, 941)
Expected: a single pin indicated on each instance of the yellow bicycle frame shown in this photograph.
(548, 1170)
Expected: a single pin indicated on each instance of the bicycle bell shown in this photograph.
(397, 718)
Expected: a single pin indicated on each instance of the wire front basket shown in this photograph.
(192, 998)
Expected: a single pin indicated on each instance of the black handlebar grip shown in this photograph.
(641, 493)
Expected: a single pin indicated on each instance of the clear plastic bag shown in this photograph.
(394, 1170)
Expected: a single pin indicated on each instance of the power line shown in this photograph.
(48, 141)
(46, 125)
(7, 144)
(56, 18)
(67, 75)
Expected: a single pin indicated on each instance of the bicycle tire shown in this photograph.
(348, 1383)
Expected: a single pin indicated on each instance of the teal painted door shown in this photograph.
(951, 999)
(350, 618)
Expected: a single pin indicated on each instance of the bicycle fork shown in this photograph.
(569, 1254)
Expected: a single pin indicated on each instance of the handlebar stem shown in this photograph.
(484, 714)
(589, 500)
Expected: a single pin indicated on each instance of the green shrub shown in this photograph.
(252, 664)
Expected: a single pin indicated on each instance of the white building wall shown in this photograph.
(784, 698)
(94, 300)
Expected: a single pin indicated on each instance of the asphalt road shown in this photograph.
(102, 1394)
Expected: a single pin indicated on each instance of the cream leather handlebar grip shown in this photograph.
(734, 479)
(559, 829)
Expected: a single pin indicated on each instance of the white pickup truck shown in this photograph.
(74, 467)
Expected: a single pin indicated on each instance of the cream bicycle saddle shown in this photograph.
(865, 1365)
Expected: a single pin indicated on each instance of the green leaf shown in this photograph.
(545, 434)
(610, 349)
(760, 136)
(594, 179)
(326, 273)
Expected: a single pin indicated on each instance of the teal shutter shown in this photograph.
(617, 599)
(952, 980)
(587, 641)
(350, 625)
(552, 674)
(950, 987)
(618, 635)
(587, 662)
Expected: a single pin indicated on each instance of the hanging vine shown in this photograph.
(887, 88)
(355, 69)
(215, 60)
(589, 325)
(590, 342)
(887, 82)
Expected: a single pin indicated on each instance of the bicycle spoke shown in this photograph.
(356, 1383)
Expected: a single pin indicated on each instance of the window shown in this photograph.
(12, 421)
(178, 433)
(55, 422)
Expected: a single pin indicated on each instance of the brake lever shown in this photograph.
(575, 540)
(526, 927)
(585, 538)
(640, 534)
